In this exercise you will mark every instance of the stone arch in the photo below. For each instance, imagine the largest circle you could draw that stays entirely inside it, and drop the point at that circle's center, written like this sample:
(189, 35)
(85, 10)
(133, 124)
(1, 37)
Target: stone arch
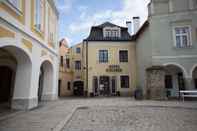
(194, 76)
(46, 82)
(175, 79)
(20, 63)
(192, 70)
(179, 66)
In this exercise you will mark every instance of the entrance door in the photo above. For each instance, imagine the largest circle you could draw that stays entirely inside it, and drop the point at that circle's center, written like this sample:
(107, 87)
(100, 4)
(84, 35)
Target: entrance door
(59, 87)
(113, 85)
(40, 89)
(195, 82)
(104, 82)
(168, 84)
(5, 84)
(78, 88)
(95, 85)
(181, 82)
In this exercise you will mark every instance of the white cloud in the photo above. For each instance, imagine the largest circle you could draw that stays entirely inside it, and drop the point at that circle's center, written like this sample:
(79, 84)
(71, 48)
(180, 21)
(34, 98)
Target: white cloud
(130, 9)
(68, 40)
(66, 6)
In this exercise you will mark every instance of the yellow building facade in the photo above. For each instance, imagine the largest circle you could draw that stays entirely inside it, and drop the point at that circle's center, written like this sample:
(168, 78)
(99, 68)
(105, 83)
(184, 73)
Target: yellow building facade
(65, 70)
(110, 74)
(28, 52)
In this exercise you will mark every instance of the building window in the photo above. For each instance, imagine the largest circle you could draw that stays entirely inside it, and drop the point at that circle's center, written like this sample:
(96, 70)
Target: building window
(110, 32)
(103, 56)
(39, 14)
(123, 56)
(67, 63)
(61, 61)
(15, 3)
(78, 50)
(182, 37)
(78, 65)
(124, 81)
(68, 85)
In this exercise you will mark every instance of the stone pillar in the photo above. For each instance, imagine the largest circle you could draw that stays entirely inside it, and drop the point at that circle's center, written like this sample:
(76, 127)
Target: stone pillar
(189, 83)
(155, 83)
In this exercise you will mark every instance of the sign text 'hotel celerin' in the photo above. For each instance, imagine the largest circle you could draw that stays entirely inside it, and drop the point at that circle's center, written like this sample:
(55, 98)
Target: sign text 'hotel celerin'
(114, 68)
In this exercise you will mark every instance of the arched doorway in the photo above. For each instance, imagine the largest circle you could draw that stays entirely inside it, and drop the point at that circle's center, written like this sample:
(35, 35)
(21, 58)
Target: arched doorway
(174, 80)
(15, 77)
(6, 86)
(45, 90)
(78, 88)
(194, 76)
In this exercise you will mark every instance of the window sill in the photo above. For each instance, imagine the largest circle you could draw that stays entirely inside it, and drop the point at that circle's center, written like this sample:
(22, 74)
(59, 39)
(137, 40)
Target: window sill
(17, 11)
(123, 62)
(103, 62)
(180, 48)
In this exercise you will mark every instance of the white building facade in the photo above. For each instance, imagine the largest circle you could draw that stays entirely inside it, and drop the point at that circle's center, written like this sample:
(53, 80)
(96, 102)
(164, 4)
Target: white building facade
(28, 52)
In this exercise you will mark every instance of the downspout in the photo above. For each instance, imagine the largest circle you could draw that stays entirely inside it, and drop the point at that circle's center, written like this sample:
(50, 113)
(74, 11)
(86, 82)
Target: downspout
(87, 67)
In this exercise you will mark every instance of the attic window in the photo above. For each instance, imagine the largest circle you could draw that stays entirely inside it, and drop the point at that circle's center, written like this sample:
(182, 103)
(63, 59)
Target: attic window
(111, 32)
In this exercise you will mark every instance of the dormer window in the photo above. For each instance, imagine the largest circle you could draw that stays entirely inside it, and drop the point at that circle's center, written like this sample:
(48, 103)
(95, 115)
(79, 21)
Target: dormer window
(111, 32)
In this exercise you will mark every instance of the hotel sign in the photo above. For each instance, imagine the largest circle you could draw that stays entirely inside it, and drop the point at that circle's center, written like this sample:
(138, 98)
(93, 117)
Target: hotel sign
(114, 68)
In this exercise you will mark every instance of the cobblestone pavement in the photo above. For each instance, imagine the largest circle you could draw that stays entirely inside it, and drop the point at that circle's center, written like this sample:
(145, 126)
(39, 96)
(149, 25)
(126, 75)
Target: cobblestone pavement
(54, 115)
(139, 118)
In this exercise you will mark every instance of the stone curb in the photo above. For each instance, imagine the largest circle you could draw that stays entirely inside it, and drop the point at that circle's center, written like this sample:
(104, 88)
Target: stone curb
(62, 123)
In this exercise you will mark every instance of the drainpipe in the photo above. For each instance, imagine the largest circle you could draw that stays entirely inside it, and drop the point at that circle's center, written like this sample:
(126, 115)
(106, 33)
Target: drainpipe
(85, 45)
(87, 66)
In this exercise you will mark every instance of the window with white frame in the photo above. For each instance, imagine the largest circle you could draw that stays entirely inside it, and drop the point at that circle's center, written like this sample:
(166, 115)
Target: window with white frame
(112, 32)
(103, 56)
(15, 3)
(182, 36)
(39, 14)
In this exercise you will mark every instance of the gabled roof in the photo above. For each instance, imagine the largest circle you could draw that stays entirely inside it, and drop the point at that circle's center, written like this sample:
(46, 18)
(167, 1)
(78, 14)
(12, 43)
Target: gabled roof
(141, 30)
(108, 24)
(96, 33)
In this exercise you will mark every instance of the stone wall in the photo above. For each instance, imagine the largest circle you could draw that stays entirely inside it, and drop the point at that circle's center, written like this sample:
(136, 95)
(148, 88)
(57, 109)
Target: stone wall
(155, 79)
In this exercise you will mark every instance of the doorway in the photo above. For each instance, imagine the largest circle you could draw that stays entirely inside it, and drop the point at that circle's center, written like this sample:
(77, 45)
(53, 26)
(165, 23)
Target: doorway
(6, 90)
(104, 85)
(174, 80)
(78, 88)
(95, 85)
(113, 85)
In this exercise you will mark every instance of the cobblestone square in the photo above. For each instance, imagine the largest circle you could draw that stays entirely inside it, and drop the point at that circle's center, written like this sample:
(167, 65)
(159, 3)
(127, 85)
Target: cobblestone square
(138, 118)
(104, 114)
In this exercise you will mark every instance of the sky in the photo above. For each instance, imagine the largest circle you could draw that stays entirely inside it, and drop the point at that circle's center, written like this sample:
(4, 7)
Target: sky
(77, 16)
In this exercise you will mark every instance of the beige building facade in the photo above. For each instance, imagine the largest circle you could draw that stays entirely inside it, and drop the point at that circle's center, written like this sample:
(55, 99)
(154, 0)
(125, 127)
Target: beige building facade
(109, 61)
(65, 72)
(78, 70)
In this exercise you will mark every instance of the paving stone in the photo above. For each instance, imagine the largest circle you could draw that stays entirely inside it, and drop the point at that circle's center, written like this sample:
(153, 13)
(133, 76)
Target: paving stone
(52, 116)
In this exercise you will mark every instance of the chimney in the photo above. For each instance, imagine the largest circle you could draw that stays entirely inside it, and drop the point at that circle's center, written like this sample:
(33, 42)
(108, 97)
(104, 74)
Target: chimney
(129, 26)
(136, 24)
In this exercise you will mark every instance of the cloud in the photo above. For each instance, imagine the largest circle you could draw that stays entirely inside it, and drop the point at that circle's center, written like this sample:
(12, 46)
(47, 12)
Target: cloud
(129, 10)
(80, 28)
(66, 6)
(68, 40)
